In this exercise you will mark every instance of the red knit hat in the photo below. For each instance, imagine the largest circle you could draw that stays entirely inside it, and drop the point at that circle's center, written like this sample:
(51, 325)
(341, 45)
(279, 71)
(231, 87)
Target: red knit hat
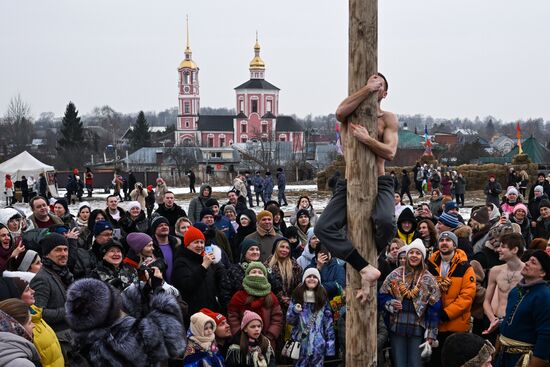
(150, 187)
(191, 235)
(75, 171)
(218, 317)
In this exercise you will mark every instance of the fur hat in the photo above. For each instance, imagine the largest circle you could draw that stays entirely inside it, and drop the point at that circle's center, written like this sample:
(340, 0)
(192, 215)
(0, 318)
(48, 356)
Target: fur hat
(101, 226)
(51, 241)
(512, 190)
(292, 231)
(191, 235)
(248, 317)
(263, 213)
(419, 245)
(539, 188)
(449, 235)
(111, 243)
(134, 204)
(211, 202)
(466, 350)
(544, 260)
(91, 304)
(216, 316)
(311, 271)
(137, 241)
(205, 212)
(20, 284)
(449, 219)
(481, 215)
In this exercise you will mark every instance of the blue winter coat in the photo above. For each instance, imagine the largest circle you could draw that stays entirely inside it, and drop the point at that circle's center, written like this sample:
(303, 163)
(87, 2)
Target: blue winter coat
(268, 185)
(223, 224)
(281, 180)
(333, 277)
(320, 339)
(258, 183)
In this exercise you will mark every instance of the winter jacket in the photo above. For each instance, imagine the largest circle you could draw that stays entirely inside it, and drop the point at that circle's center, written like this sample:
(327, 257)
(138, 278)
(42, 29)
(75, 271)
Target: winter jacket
(435, 205)
(266, 243)
(333, 277)
(534, 205)
(268, 185)
(457, 300)
(197, 356)
(139, 196)
(545, 187)
(294, 281)
(460, 185)
(281, 181)
(240, 186)
(542, 230)
(224, 225)
(406, 215)
(435, 179)
(46, 341)
(258, 183)
(130, 225)
(234, 358)
(119, 278)
(172, 214)
(405, 182)
(492, 191)
(446, 185)
(464, 233)
(16, 351)
(320, 336)
(115, 223)
(199, 287)
(132, 341)
(198, 203)
(312, 216)
(159, 193)
(53, 217)
(150, 200)
(306, 257)
(272, 317)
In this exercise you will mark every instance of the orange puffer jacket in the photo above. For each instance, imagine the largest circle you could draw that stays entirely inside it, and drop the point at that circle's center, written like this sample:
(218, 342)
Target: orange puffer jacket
(457, 300)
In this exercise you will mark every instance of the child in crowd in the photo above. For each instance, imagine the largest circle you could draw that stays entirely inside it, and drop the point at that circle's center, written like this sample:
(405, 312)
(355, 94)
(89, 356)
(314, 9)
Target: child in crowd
(201, 345)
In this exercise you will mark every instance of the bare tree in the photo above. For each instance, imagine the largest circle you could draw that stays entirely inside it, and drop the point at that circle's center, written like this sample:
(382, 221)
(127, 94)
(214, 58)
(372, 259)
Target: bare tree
(18, 124)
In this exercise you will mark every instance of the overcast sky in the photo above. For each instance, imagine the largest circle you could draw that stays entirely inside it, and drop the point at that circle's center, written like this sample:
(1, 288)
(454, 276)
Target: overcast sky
(445, 59)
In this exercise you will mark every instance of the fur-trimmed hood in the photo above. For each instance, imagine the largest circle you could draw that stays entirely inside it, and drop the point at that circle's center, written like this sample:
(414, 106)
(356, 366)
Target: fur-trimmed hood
(463, 232)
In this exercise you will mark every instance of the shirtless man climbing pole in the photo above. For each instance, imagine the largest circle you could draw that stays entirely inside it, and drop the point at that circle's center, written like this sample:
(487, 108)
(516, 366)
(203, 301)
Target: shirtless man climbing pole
(503, 278)
(334, 217)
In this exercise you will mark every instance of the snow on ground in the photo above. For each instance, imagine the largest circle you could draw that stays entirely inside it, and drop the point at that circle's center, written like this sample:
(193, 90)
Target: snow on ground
(319, 199)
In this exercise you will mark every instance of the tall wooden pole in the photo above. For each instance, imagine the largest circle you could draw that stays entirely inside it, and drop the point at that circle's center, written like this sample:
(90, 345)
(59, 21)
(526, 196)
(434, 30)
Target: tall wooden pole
(361, 319)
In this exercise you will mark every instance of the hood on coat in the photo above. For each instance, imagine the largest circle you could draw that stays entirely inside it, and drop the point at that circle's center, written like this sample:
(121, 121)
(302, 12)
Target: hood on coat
(463, 231)
(406, 214)
(16, 348)
(204, 186)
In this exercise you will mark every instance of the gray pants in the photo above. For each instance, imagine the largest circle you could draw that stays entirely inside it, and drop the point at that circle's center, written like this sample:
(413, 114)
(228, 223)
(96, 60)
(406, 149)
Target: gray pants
(330, 225)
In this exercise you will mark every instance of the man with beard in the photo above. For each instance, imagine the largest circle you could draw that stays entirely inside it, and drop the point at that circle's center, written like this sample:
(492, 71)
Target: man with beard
(164, 244)
(457, 283)
(50, 286)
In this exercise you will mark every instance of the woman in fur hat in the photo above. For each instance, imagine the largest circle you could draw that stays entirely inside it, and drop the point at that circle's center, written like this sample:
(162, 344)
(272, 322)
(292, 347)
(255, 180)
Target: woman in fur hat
(411, 298)
(250, 348)
(201, 347)
(311, 319)
(287, 269)
(106, 336)
(257, 297)
(111, 269)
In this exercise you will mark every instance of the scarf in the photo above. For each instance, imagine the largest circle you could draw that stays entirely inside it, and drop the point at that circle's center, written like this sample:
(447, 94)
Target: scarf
(10, 325)
(205, 342)
(428, 289)
(81, 223)
(256, 286)
(263, 233)
(61, 271)
(309, 296)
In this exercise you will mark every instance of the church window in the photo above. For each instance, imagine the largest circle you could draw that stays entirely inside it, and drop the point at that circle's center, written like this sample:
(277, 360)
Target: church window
(254, 105)
(210, 141)
(186, 123)
(241, 105)
(185, 78)
(282, 137)
(222, 140)
(264, 127)
(187, 108)
(243, 127)
(268, 105)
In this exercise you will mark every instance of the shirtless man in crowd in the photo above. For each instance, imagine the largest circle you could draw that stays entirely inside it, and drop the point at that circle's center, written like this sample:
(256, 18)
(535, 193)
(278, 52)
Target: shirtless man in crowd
(503, 278)
(334, 217)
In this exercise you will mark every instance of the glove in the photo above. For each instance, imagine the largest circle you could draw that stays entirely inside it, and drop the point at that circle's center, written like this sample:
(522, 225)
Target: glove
(426, 351)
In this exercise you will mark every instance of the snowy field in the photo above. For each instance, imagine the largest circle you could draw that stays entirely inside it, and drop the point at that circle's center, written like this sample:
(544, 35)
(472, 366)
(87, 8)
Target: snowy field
(319, 199)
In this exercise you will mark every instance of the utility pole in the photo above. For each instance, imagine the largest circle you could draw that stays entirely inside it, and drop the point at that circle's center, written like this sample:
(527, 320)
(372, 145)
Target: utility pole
(361, 319)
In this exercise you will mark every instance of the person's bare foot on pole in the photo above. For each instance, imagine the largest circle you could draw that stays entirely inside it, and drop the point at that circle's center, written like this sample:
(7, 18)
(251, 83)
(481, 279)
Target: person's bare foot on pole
(369, 276)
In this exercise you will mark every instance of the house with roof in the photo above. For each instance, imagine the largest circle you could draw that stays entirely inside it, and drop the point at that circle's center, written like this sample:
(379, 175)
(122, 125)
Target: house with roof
(257, 106)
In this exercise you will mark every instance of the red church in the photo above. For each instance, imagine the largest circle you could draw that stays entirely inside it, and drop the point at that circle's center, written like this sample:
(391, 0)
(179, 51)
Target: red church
(257, 106)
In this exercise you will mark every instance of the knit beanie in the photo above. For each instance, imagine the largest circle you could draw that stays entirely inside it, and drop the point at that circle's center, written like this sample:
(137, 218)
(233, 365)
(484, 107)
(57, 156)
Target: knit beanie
(539, 188)
(544, 260)
(248, 317)
(481, 215)
(191, 235)
(311, 271)
(229, 207)
(518, 207)
(301, 212)
(466, 350)
(450, 205)
(544, 204)
(216, 316)
(83, 205)
(137, 241)
(149, 187)
(101, 226)
(63, 202)
(246, 245)
(419, 245)
(111, 243)
(211, 202)
(512, 190)
(51, 241)
(91, 304)
(255, 285)
(58, 228)
(292, 231)
(26, 260)
(20, 285)
(205, 212)
(263, 213)
(449, 235)
(449, 219)
(157, 221)
(134, 204)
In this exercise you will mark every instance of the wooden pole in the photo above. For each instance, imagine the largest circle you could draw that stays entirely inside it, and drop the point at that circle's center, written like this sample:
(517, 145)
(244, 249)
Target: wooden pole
(361, 319)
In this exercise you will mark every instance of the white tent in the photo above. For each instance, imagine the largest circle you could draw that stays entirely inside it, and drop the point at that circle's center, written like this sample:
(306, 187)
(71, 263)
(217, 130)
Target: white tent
(24, 164)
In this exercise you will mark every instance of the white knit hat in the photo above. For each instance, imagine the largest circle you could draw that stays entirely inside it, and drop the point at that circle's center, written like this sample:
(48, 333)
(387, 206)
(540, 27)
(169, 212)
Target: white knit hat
(134, 204)
(311, 271)
(419, 245)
